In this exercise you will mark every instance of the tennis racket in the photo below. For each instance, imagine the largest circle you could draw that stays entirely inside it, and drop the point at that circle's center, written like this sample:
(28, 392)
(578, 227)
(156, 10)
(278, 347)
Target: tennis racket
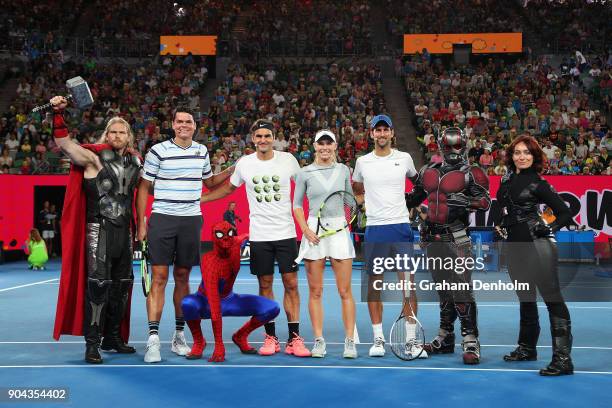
(145, 275)
(407, 337)
(335, 214)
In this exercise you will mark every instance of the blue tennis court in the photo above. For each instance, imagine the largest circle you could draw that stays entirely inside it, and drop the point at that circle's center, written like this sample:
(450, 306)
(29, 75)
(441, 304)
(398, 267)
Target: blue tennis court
(29, 357)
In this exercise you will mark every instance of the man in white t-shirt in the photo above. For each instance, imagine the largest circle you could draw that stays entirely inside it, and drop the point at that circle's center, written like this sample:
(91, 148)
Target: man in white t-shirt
(267, 175)
(278, 97)
(270, 74)
(549, 150)
(380, 177)
(454, 106)
(421, 109)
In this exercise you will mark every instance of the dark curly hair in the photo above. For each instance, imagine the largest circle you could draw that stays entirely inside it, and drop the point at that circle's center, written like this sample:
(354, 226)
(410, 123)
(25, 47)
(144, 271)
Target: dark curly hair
(539, 158)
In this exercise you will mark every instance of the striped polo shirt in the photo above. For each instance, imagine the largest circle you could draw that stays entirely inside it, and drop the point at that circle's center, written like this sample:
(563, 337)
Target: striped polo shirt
(177, 173)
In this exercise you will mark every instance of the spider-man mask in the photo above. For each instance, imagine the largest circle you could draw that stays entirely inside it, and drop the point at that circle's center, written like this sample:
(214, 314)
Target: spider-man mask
(224, 235)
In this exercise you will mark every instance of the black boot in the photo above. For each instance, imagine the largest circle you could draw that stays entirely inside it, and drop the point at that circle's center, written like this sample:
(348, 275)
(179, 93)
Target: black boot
(116, 343)
(561, 364)
(92, 354)
(527, 341)
(522, 353)
(529, 333)
(112, 342)
(96, 297)
(114, 315)
(444, 343)
(92, 337)
(468, 316)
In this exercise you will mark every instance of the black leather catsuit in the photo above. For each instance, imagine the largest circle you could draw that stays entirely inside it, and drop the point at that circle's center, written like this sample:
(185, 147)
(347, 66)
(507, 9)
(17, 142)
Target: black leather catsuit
(531, 251)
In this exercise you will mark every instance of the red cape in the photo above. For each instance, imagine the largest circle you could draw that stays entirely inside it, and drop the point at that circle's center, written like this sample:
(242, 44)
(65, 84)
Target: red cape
(70, 310)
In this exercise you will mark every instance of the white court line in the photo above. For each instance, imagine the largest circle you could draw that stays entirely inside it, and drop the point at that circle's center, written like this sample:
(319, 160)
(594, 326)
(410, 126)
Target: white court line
(480, 305)
(249, 282)
(29, 284)
(541, 306)
(282, 342)
(223, 365)
(253, 282)
(358, 281)
(239, 281)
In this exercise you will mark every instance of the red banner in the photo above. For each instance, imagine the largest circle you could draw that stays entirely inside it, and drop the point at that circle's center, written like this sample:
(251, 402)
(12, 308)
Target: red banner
(588, 197)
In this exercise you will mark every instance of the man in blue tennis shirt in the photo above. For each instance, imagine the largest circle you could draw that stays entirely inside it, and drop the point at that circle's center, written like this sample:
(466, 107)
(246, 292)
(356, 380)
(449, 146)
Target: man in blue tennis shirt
(177, 167)
(380, 176)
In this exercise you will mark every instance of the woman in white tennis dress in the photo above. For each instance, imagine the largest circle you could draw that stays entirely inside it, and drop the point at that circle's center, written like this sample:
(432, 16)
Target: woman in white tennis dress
(317, 181)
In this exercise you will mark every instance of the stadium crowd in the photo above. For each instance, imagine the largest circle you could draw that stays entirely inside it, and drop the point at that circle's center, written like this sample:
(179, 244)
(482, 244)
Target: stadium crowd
(112, 28)
(37, 27)
(569, 25)
(494, 102)
(546, 25)
(144, 95)
(319, 27)
(121, 22)
(299, 99)
(564, 106)
(466, 16)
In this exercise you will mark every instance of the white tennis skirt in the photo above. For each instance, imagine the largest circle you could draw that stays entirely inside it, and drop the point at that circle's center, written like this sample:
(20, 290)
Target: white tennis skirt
(337, 246)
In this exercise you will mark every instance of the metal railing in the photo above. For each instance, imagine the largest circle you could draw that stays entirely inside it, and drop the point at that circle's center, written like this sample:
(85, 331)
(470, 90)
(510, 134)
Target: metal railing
(81, 47)
(148, 48)
(300, 48)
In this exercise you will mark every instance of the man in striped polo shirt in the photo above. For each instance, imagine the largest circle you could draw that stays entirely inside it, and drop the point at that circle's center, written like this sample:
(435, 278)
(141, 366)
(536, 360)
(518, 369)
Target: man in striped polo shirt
(177, 167)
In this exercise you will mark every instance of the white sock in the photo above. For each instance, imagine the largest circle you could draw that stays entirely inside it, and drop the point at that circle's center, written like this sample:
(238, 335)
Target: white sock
(378, 330)
(410, 331)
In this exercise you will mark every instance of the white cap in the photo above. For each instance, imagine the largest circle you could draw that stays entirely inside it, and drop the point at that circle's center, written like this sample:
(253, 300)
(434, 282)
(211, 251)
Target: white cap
(325, 132)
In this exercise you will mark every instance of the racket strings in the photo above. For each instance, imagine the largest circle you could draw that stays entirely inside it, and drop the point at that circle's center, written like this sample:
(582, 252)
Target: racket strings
(338, 211)
(407, 338)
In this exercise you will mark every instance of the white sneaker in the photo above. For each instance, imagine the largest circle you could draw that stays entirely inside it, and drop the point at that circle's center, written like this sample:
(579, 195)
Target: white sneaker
(153, 354)
(179, 344)
(378, 348)
(319, 349)
(350, 351)
(415, 349)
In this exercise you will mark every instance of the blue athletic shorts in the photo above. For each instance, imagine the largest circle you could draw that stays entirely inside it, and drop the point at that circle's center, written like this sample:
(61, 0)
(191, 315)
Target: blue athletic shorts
(388, 241)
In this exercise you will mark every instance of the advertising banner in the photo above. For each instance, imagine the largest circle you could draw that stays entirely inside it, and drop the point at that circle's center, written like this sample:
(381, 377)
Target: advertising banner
(482, 43)
(588, 197)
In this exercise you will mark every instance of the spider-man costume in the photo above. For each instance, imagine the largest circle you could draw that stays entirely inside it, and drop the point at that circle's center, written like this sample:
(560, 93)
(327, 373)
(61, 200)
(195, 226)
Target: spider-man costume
(453, 189)
(215, 298)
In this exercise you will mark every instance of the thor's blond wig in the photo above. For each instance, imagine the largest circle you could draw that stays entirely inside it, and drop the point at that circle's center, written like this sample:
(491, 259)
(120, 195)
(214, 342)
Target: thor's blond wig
(114, 120)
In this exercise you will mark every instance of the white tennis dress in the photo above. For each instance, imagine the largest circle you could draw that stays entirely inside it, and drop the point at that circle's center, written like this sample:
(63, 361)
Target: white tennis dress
(317, 183)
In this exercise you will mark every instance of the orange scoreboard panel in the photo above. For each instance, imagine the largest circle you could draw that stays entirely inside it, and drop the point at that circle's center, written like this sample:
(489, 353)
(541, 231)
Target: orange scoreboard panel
(184, 44)
(482, 43)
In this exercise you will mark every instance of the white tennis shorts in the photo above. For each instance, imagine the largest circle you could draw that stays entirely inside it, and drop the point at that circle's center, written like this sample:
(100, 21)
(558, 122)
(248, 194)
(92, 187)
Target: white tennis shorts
(337, 246)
